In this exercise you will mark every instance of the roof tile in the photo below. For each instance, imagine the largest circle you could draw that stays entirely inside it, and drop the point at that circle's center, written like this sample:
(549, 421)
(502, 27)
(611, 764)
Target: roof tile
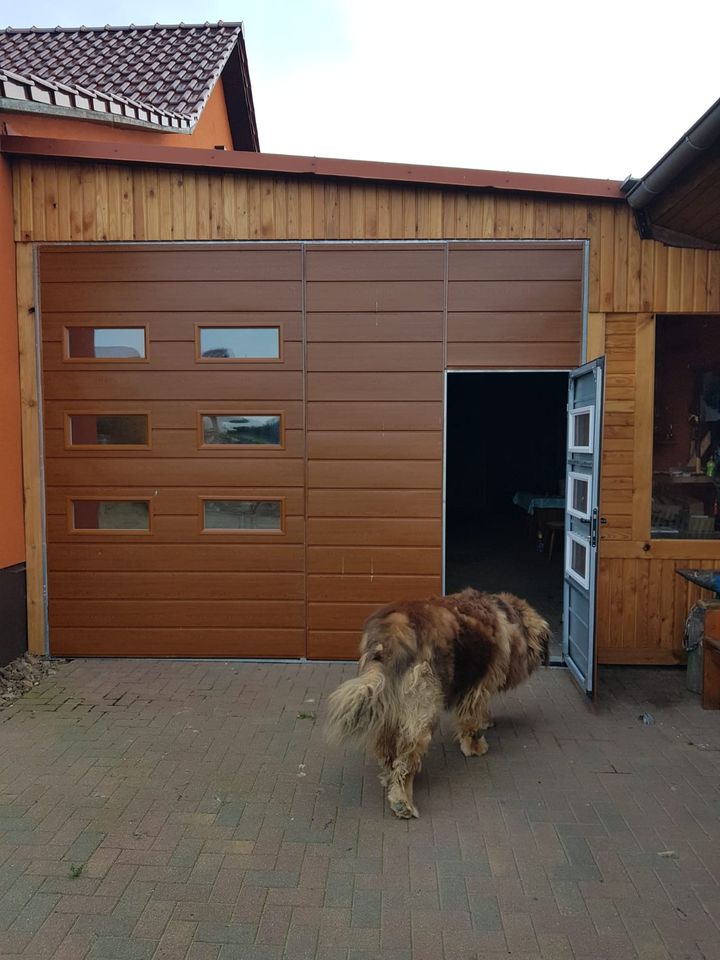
(169, 69)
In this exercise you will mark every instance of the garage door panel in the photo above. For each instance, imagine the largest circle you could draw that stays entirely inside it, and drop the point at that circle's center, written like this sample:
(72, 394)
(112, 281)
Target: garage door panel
(411, 264)
(215, 472)
(374, 357)
(375, 474)
(375, 327)
(333, 644)
(216, 385)
(178, 295)
(172, 415)
(176, 529)
(166, 558)
(227, 643)
(513, 264)
(276, 263)
(374, 503)
(377, 590)
(539, 327)
(363, 329)
(372, 445)
(177, 501)
(379, 295)
(375, 415)
(178, 613)
(374, 386)
(383, 531)
(201, 586)
(174, 325)
(519, 295)
(173, 355)
(179, 444)
(374, 561)
(514, 355)
(339, 616)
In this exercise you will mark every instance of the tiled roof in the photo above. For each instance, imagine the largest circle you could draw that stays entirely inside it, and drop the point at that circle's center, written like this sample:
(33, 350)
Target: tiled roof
(161, 75)
(74, 98)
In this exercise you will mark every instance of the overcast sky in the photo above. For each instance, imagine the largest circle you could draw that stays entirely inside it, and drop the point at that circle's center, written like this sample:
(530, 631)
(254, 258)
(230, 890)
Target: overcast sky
(593, 89)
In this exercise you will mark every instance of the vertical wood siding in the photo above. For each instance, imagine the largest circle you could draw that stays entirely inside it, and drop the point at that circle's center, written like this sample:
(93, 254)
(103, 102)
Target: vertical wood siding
(642, 603)
(74, 201)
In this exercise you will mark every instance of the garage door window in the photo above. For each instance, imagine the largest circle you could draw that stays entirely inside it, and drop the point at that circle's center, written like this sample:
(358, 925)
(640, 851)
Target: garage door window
(241, 429)
(127, 430)
(238, 343)
(101, 516)
(235, 514)
(105, 343)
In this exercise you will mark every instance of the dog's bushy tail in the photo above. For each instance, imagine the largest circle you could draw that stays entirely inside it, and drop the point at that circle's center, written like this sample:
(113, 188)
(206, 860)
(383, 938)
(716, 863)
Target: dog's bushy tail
(357, 706)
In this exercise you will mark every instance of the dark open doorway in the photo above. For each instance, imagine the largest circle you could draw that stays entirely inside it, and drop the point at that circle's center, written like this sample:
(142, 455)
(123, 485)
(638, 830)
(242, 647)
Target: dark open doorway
(506, 437)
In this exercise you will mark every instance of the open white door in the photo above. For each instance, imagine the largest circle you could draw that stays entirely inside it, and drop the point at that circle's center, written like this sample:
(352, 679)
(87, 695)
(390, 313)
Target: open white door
(582, 520)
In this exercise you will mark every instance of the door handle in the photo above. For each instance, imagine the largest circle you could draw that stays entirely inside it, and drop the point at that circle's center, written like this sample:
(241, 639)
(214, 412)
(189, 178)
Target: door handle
(594, 528)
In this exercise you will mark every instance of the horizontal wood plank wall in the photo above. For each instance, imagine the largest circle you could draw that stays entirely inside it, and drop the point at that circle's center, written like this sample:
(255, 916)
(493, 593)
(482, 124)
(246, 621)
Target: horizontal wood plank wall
(375, 319)
(178, 591)
(642, 603)
(629, 279)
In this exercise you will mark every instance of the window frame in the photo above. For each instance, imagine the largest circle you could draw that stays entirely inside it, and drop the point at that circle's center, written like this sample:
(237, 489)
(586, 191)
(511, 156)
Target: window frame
(570, 537)
(93, 532)
(585, 477)
(93, 447)
(93, 324)
(240, 531)
(255, 325)
(236, 447)
(572, 414)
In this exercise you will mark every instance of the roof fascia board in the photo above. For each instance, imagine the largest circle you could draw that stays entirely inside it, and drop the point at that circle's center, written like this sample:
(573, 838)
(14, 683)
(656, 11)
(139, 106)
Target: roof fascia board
(691, 145)
(239, 102)
(369, 170)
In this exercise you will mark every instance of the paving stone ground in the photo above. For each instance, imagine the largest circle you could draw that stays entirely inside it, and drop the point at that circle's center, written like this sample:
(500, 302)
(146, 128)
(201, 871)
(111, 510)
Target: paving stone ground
(191, 811)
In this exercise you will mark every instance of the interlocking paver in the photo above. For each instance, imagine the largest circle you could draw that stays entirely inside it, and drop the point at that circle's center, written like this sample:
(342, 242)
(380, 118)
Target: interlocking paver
(205, 821)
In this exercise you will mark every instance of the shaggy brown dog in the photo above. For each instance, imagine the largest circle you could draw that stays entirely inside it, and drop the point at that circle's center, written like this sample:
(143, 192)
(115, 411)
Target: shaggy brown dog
(417, 657)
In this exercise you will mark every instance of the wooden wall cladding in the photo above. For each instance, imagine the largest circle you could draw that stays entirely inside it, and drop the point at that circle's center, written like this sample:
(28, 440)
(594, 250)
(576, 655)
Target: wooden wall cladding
(629, 280)
(75, 202)
(642, 603)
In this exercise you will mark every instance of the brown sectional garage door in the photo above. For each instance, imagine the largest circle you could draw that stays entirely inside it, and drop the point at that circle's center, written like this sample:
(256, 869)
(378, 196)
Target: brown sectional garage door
(200, 402)
(174, 589)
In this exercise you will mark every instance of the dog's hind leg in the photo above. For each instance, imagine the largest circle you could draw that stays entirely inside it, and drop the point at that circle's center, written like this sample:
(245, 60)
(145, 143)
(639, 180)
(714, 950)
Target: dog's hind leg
(472, 718)
(419, 705)
(400, 781)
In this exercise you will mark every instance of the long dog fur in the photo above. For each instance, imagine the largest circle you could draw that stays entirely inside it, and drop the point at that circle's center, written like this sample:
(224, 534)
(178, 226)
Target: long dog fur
(418, 657)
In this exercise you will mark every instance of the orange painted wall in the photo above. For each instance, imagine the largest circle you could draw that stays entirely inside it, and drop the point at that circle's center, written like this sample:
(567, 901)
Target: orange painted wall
(212, 130)
(12, 536)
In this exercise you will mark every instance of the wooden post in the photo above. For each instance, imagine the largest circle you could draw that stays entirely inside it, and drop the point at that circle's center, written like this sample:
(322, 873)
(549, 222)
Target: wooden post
(32, 461)
(595, 346)
(644, 416)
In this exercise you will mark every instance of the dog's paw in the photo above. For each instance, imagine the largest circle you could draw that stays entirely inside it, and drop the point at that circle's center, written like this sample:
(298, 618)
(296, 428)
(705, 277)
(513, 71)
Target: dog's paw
(403, 809)
(473, 746)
